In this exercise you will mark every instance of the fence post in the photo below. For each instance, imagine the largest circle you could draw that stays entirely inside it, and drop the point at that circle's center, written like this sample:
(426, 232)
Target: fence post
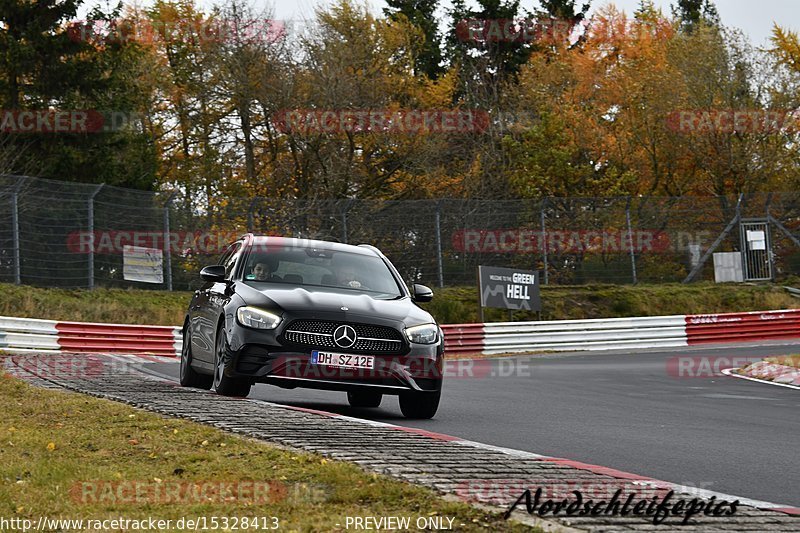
(630, 238)
(770, 253)
(250, 221)
(168, 242)
(439, 258)
(543, 240)
(91, 236)
(15, 230)
(345, 209)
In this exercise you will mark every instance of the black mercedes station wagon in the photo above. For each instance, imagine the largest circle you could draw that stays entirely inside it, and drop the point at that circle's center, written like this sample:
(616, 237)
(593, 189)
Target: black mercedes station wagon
(315, 314)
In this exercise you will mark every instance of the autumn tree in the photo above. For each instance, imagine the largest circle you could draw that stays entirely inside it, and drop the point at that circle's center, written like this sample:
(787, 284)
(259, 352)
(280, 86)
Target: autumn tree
(49, 62)
(422, 15)
(787, 48)
(694, 13)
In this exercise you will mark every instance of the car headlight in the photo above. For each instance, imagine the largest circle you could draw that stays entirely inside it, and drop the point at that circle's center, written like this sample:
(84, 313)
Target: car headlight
(255, 318)
(423, 334)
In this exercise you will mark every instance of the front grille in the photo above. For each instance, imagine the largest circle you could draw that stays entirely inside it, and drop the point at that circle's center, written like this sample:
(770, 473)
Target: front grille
(319, 334)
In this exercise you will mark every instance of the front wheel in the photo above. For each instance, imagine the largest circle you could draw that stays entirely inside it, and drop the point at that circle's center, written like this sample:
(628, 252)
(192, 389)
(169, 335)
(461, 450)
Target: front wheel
(189, 376)
(224, 385)
(364, 398)
(419, 404)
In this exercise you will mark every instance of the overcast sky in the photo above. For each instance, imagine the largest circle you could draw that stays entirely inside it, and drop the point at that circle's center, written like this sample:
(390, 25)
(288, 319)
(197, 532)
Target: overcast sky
(754, 17)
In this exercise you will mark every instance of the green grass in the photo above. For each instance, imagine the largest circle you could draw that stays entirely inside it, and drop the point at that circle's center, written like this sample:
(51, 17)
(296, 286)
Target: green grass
(451, 305)
(459, 305)
(65, 454)
(118, 306)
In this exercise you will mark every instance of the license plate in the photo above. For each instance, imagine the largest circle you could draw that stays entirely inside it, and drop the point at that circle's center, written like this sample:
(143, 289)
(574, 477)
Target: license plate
(342, 360)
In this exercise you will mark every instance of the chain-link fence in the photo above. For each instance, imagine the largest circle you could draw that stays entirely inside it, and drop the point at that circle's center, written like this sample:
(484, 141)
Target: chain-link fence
(68, 234)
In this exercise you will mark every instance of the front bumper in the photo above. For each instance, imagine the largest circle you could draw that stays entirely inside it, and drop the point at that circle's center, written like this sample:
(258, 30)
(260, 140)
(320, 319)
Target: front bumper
(260, 357)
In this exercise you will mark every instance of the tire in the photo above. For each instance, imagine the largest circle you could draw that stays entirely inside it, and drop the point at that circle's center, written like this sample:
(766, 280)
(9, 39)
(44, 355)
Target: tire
(421, 405)
(364, 398)
(224, 385)
(189, 377)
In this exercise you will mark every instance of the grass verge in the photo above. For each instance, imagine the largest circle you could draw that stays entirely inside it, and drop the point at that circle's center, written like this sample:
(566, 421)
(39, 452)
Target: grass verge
(73, 456)
(458, 304)
(451, 305)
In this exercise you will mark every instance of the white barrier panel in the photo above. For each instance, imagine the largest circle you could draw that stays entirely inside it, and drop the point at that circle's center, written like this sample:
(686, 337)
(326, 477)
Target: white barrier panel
(28, 341)
(594, 334)
(178, 335)
(10, 324)
(582, 325)
(23, 335)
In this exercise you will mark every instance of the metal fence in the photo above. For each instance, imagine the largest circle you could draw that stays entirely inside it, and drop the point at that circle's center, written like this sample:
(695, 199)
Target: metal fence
(69, 234)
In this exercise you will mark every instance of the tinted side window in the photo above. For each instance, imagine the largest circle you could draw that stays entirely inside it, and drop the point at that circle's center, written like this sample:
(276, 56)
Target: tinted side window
(229, 258)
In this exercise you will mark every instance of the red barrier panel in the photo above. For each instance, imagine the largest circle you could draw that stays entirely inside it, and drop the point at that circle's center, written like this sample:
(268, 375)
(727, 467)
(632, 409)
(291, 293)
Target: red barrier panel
(116, 338)
(463, 338)
(737, 327)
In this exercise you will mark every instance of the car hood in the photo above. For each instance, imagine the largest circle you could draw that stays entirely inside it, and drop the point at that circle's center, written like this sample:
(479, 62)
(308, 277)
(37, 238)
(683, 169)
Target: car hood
(328, 304)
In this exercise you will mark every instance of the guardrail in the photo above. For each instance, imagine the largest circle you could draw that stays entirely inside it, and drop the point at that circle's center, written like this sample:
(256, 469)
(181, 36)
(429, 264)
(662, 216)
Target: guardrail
(463, 338)
(27, 335)
(20, 335)
(621, 333)
(733, 327)
(118, 338)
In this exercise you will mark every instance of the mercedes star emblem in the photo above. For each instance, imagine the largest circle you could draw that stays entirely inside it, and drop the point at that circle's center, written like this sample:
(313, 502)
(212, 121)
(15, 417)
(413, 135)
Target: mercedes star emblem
(344, 336)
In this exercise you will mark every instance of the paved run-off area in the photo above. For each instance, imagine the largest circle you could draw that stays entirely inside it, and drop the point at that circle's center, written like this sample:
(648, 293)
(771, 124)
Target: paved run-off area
(481, 474)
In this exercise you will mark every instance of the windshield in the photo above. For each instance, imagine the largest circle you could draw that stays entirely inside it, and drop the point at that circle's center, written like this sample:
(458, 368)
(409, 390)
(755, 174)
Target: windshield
(322, 268)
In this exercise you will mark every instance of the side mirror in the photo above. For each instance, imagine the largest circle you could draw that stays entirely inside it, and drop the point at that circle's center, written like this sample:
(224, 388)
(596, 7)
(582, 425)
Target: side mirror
(421, 293)
(213, 273)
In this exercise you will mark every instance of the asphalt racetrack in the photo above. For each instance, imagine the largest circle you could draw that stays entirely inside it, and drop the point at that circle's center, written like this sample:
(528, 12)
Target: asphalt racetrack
(664, 414)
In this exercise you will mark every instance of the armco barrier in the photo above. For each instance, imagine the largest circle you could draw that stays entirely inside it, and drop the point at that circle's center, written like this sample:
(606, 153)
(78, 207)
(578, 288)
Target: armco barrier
(20, 335)
(741, 327)
(25, 334)
(28, 334)
(596, 334)
(621, 333)
(463, 338)
(117, 338)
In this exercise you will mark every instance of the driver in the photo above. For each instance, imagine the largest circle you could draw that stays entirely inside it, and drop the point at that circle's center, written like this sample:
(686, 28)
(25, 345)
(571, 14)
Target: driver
(264, 270)
(346, 276)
